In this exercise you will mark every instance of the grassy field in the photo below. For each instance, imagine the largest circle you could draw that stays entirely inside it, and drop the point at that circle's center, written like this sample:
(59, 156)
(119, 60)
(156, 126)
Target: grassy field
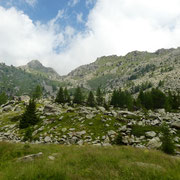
(86, 162)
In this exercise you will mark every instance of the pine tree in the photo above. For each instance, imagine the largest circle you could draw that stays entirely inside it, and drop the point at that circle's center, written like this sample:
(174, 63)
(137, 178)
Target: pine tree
(114, 98)
(158, 98)
(91, 101)
(3, 98)
(78, 97)
(37, 92)
(60, 96)
(99, 98)
(66, 96)
(29, 117)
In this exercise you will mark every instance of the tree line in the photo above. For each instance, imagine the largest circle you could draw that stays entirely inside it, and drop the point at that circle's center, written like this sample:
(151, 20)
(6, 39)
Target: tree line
(153, 99)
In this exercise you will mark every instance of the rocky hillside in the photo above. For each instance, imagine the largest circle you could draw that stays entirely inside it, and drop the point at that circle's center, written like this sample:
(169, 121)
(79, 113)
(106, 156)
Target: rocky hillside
(15, 81)
(131, 70)
(63, 124)
(35, 67)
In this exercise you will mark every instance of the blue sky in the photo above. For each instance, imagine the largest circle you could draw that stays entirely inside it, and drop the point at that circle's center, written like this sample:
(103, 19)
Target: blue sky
(45, 10)
(65, 34)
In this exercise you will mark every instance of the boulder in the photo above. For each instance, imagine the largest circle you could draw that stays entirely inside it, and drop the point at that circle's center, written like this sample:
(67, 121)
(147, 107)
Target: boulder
(150, 134)
(176, 124)
(52, 158)
(7, 108)
(154, 143)
(30, 157)
(102, 109)
(24, 98)
(47, 139)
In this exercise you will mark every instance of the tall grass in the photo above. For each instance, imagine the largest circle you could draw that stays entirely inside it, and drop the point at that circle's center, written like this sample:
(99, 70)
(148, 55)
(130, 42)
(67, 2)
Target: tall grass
(86, 162)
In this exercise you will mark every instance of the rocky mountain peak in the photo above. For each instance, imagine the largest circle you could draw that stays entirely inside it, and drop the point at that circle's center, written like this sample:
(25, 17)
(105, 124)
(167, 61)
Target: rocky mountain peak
(34, 64)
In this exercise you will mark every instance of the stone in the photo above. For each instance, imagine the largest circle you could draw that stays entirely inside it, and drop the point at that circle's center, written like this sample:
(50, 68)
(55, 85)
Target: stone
(24, 98)
(176, 124)
(154, 143)
(89, 116)
(81, 133)
(106, 144)
(102, 109)
(111, 132)
(7, 108)
(150, 134)
(126, 113)
(161, 111)
(123, 128)
(114, 114)
(64, 129)
(52, 158)
(80, 142)
(47, 139)
(30, 157)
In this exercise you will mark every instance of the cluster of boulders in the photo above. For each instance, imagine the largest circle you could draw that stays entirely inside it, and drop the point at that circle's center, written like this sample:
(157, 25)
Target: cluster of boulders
(51, 128)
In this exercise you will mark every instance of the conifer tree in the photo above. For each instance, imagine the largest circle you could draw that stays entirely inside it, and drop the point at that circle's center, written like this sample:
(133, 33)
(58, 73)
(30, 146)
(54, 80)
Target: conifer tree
(60, 96)
(78, 97)
(91, 101)
(99, 97)
(114, 99)
(66, 96)
(29, 117)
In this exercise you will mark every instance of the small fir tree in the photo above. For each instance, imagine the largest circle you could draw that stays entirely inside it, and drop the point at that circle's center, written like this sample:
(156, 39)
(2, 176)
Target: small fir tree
(91, 101)
(78, 97)
(66, 96)
(99, 97)
(60, 96)
(29, 117)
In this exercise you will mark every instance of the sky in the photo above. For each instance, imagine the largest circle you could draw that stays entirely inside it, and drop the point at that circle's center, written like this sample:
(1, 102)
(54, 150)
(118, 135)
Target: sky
(65, 34)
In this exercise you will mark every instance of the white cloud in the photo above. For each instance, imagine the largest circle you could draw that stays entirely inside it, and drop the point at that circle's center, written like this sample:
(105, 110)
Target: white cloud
(80, 18)
(113, 27)
(72, 3)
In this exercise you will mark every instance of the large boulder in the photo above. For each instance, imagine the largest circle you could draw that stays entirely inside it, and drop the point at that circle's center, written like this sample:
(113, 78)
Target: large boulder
(150, 134)
(176, 125)
(24, 98)
(7, 108)
(47, 139)
(154, 143)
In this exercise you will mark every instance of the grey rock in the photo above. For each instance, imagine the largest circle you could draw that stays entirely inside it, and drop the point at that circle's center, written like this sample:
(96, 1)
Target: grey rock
(154, 143)
(150, 134)
(176, 125)
(47, 139)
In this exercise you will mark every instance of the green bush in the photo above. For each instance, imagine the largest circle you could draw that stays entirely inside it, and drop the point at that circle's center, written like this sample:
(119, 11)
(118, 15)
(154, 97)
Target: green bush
(118, 140)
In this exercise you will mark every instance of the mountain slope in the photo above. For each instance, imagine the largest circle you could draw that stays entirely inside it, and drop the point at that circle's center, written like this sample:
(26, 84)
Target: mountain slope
(15, 81)
(131, 70)
(35, 67)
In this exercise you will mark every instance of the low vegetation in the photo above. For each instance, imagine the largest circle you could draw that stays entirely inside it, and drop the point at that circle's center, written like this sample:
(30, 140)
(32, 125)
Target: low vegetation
(87, 162)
